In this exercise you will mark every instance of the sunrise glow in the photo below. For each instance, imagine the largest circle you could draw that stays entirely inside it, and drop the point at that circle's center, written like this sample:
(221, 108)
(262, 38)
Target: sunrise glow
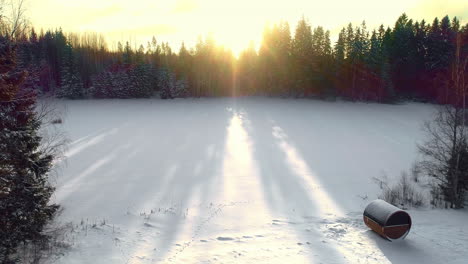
(233, 24)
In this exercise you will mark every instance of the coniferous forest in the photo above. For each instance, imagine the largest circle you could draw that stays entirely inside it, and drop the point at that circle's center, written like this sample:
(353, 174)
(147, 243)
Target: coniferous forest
(411, 60)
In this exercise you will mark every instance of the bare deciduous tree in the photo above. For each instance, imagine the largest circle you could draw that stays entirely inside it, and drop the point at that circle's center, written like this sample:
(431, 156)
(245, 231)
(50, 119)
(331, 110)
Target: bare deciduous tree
(445, 153)
(13, 21)
(446, 150)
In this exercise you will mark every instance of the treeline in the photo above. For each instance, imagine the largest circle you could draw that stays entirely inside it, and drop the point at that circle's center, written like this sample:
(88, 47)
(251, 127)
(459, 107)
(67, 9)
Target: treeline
(414, 59)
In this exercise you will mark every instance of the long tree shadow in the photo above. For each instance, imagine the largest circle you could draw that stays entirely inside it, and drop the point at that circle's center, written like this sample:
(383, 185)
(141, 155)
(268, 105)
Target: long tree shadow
(188, 160)
(287, 194)
(338, 142)
(144, 170)
(344, 147)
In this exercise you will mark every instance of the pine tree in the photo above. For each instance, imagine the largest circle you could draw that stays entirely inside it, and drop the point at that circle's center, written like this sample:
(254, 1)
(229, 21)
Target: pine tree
(354, 60)
(328, 90)
(181, 88)
(446, 55)
(59, 46)
(402, 54)
(433, 45)
(24, 188)
(339, 59)
(143, 83)
(385, 73)
(421, 42)
(127, 54)
(184, 62)
(102, 86)
(71, 85)
(166, 83)
(247, 68)
(122, 86)
(282, 57)
(139, 56)
(340, 46)
(275, 59)
(440, 54)
(374, 62)
(35, 47)
(302, 55)
(349, 39)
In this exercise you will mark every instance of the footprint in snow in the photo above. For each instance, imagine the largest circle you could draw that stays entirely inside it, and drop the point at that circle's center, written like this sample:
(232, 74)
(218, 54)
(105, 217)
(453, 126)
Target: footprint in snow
(225, 238)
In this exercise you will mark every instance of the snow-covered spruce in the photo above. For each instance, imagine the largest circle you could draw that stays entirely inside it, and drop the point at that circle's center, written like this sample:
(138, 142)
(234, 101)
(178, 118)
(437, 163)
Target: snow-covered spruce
(24, 168)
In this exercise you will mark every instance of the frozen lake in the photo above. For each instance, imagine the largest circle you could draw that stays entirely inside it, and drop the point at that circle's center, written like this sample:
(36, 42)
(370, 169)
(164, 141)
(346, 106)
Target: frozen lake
(242, 181)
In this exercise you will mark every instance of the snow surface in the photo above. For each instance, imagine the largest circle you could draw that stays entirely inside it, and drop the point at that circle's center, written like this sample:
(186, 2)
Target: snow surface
(252, 180)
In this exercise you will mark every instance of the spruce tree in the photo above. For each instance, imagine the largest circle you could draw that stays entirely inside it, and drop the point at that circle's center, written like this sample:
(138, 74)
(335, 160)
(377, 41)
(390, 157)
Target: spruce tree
(127, 54)
(402, 54)
(71, 85)
(386, 66)
(420, 40)
(24, 188)
(140, 77)
(339, 60)
(184, 63)
(166, 84)
(102, 85)
(340, 46)
(139, 55)
(247, 68)
(349, 39)
(302, 56)
(374, 63)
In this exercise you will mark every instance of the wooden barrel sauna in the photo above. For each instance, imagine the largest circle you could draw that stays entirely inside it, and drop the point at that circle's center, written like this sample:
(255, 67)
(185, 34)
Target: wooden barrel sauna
(387, 220)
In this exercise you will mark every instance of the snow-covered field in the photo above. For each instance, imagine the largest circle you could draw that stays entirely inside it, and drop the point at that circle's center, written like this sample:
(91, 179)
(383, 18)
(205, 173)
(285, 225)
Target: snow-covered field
(251, 180)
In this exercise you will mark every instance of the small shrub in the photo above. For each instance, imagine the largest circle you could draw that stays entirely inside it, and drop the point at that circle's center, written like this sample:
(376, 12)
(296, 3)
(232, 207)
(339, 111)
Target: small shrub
(415, 172)
(437, 198)
(402, 194)
(57, 243)
(390, 195)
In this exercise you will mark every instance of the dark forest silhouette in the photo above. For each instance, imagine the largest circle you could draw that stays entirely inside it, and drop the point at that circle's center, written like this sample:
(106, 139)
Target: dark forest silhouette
(412, 60)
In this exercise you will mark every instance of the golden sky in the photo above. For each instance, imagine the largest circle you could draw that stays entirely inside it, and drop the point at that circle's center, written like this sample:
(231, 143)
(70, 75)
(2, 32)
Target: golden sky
(232, 23)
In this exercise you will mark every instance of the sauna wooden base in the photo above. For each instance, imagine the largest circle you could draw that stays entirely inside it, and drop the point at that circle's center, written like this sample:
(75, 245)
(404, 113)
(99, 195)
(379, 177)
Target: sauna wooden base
(388, 232)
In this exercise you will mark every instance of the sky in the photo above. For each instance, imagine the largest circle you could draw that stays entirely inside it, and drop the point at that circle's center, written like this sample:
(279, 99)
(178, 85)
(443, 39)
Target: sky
(232, 24)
